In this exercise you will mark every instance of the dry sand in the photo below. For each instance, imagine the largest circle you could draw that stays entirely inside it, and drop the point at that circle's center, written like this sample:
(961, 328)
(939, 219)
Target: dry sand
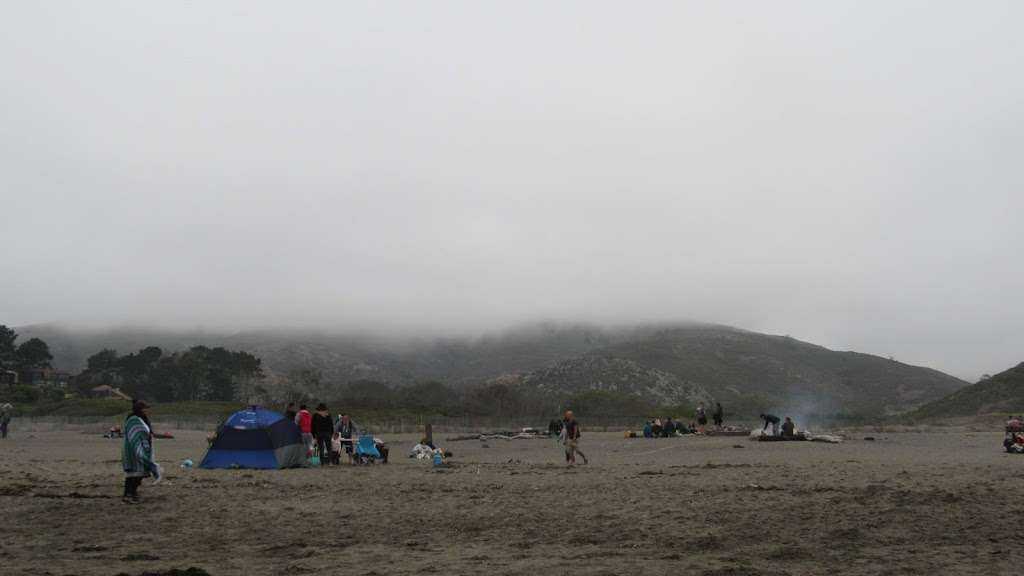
(908, 503)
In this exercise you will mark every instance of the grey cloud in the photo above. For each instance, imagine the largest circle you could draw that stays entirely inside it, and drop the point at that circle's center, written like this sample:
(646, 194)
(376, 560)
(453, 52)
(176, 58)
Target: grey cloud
(847, 173)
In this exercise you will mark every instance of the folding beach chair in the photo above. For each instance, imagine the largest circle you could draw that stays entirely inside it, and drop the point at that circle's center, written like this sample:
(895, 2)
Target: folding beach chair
(366, 449)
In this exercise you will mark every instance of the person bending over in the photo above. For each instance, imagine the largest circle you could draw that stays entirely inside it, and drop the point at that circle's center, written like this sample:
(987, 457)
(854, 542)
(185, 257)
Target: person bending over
(773, 420)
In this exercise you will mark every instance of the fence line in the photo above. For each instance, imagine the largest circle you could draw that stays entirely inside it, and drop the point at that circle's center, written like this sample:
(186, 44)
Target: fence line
(389, 425)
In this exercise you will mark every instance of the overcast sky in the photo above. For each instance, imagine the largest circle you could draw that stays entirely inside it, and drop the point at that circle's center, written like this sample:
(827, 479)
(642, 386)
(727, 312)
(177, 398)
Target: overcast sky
(849, 173)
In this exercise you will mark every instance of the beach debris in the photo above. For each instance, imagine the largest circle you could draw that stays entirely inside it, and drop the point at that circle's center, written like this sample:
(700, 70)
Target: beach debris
(801, 436)
(523, 434)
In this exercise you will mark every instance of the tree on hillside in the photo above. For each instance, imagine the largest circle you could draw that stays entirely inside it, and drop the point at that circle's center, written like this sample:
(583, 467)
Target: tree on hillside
(136, 370)
(103, 360)
(220, 375)
(8, 352)
(34, 353)
(199, 373)
(248, 369)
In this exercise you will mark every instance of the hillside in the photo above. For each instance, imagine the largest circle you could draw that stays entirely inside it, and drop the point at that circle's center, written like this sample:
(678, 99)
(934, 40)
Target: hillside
(733, 364)
(1000, 394)
(598, 371)
(672, 365)
(750, 369)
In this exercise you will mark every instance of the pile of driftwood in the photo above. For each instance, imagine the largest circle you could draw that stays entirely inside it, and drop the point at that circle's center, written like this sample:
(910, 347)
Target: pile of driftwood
(727, 431)
(802, 436)
(525, 434)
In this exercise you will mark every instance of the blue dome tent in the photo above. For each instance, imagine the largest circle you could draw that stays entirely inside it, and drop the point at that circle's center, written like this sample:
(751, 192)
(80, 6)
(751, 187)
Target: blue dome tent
(256, 438)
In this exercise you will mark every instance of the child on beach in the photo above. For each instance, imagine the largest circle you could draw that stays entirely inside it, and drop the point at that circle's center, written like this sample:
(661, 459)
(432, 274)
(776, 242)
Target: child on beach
(335, 449)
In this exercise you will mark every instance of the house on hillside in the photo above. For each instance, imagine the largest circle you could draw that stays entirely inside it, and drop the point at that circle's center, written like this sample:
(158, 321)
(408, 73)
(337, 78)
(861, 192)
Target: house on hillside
(8, 377)
(44, 377)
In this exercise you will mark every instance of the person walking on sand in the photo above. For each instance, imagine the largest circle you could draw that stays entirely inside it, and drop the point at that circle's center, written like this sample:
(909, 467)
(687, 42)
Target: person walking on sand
(702, 418)
(137, 453)
(571, 438)
(5, 418)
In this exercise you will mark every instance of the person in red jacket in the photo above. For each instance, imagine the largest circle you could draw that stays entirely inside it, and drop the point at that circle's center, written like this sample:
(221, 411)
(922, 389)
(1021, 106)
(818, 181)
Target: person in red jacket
(305, 421)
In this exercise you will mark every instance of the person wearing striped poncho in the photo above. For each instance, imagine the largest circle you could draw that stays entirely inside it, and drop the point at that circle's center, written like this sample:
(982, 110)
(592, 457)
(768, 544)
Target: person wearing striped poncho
(137, 455)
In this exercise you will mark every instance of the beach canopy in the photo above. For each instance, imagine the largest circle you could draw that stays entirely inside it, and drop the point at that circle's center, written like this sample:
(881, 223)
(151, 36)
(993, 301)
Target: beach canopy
(256, 438)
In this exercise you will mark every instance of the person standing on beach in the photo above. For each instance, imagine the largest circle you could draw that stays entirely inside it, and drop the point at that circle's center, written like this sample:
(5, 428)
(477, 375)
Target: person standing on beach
(305, 422)
(137, 453)
(719, 415)
(702, 419)
(322, 428)
(290, 412)
(571, 438)
(5, 418)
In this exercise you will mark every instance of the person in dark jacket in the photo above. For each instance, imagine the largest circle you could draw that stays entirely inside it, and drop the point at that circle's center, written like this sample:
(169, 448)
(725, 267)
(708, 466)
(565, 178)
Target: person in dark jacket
(718, 416)
(554, 428)
(773, 420)
(788, 428)
(322, 428)
(668, 429)
(290, 412)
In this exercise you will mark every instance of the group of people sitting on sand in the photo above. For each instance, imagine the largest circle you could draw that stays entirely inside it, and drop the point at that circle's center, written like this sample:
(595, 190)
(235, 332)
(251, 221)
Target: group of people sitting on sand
(658, 428)
(328, 438)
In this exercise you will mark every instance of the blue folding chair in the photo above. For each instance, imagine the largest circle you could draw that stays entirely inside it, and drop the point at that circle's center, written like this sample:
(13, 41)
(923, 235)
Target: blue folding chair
(366, 448)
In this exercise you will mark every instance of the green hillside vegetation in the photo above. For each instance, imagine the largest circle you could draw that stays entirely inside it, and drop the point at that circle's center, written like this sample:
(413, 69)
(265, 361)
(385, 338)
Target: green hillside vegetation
(1002, 394)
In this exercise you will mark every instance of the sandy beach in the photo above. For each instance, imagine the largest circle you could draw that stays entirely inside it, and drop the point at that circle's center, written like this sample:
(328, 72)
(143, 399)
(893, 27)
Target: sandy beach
(906, 503)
